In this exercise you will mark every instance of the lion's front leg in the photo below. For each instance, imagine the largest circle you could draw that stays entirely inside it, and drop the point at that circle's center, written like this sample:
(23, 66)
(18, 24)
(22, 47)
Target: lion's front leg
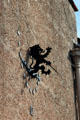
(48, 50)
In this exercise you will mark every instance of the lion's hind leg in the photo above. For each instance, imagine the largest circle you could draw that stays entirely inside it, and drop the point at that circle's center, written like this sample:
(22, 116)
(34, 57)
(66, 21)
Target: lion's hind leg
(42, 67)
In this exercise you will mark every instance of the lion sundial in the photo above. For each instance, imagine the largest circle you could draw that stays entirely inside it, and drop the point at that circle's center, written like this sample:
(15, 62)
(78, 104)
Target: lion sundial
(37, 54)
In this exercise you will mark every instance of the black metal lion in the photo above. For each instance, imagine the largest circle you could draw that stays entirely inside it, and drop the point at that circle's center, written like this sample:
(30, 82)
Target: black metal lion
(39, 55)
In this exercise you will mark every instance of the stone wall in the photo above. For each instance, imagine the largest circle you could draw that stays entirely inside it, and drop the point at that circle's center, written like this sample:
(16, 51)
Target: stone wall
(49, 23)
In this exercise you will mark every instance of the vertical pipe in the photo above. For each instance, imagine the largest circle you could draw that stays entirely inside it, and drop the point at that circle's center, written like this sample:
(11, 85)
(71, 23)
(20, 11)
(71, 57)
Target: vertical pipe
(75, 60)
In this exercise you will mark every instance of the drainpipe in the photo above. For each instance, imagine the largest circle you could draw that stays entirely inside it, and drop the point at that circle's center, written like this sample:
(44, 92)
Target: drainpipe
(74, 55)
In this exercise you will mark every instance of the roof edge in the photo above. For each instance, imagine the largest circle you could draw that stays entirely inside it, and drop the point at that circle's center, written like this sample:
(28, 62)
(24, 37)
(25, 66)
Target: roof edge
(73, 5)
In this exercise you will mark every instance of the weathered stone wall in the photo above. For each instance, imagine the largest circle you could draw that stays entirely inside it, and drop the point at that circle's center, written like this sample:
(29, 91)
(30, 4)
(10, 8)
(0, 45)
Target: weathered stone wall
(48, 23)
